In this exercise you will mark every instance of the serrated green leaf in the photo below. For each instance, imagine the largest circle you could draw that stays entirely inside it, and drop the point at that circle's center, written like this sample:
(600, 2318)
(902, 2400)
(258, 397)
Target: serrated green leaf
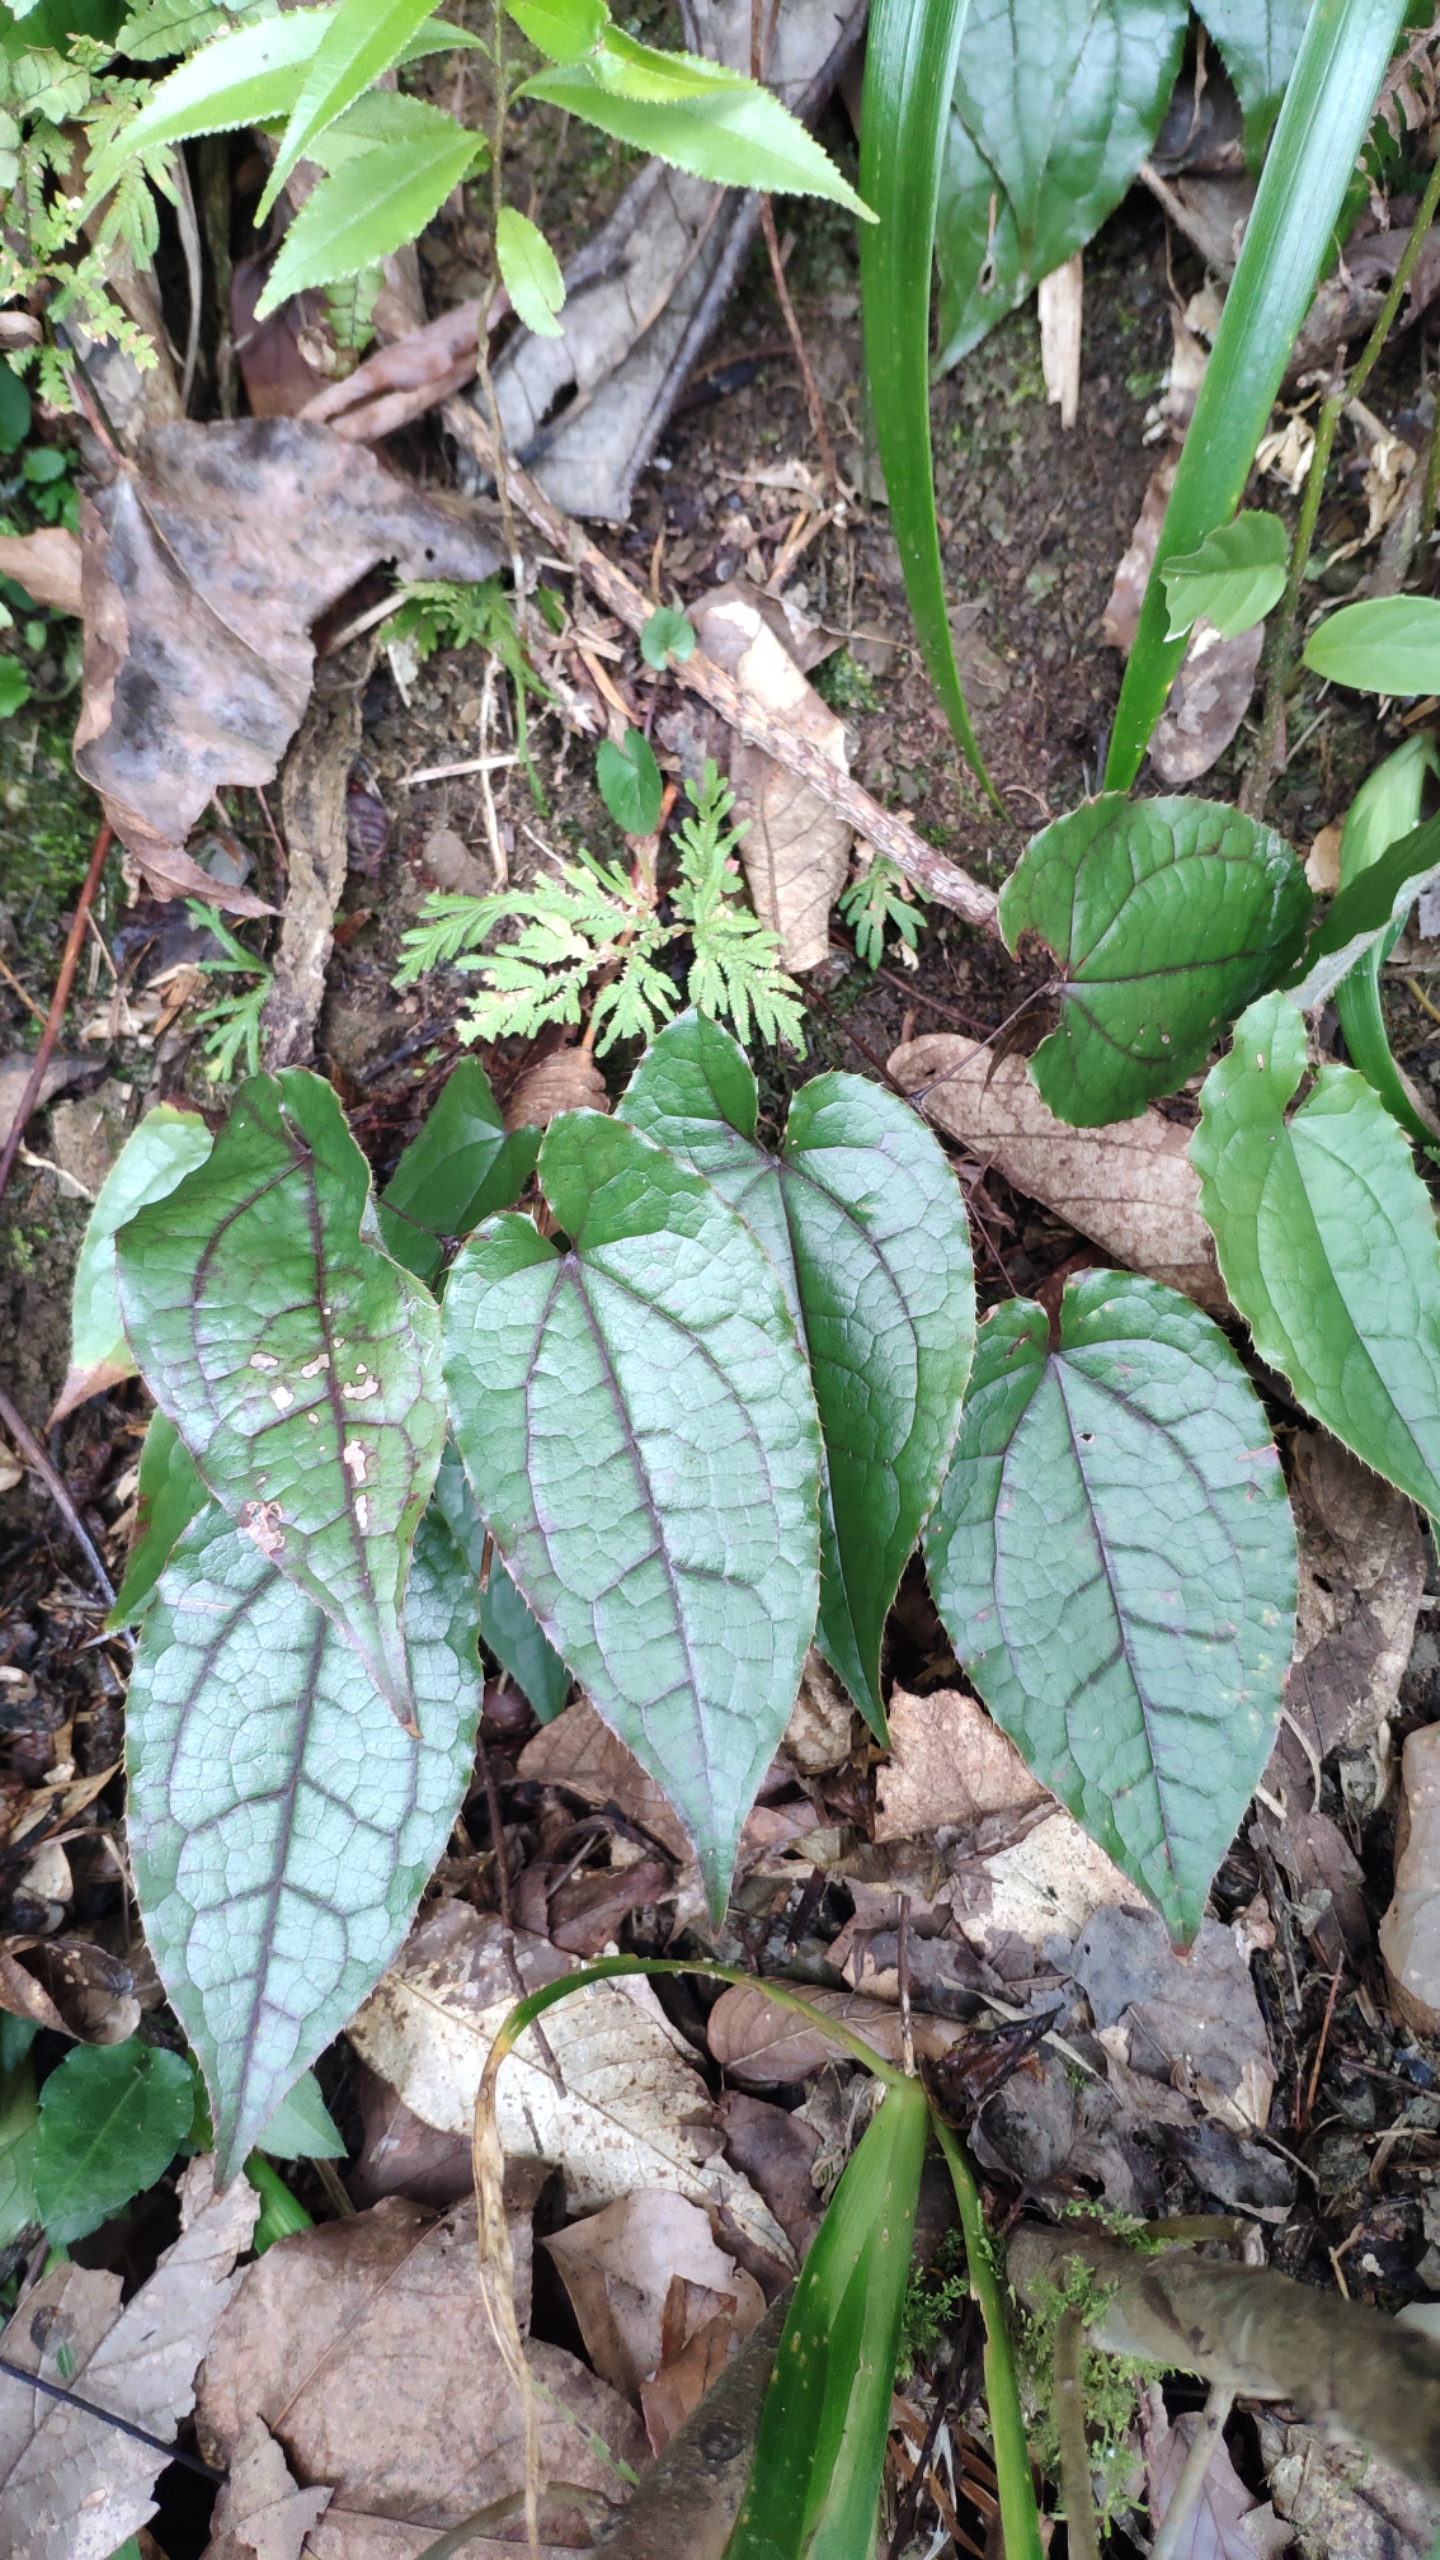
(302, 2127)
(718, 126)
(156, 1155)
(508, 1627)
(1327, 1244)
(629, 783)
(1370, 908)
(1167, 916)
(297, 1361)
(1384, 809)
(669, 634)
(638, 1429)
(369, 206)
(1234, 578)
(381, 116)
(1387, 644)
(563, 30)
(250, 76)
(814, 2487)
(865, 1225)
(160, 29)
(281, 1823)
(168, 1497)
(460, 1168)
(1323, 123)
(1056, 103)
(530, 272)
(1258, 41)
(1114, 1560)
(363, 38)
(111, 2121)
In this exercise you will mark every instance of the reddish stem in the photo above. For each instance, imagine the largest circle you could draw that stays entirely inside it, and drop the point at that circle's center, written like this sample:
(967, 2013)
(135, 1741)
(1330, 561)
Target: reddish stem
(58, 1001)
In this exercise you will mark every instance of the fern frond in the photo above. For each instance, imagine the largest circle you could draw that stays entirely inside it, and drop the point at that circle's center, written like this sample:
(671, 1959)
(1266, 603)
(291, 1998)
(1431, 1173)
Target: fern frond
(880, 902)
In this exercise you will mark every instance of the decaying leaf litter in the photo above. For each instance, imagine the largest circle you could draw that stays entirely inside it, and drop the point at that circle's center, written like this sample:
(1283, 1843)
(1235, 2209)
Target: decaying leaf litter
(1273, 2077)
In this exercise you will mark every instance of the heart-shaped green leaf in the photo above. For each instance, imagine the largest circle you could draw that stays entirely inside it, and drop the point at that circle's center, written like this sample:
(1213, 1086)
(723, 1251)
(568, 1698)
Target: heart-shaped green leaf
(111, 2121)
(1114, 1559)
(1327, 1244)
(865, 1224)
(168, 1497)
(460, 1168)
(630, 784)
(297, 1361)
(667, 639)
(637, 1424)
(153, 1159)
(1167, 916)
(508, 1627)
(281, 1823)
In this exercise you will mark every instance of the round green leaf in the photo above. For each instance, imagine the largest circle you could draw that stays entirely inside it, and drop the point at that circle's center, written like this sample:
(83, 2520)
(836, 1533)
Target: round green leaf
(111, 2121)
(1114, 1560)
(165, 1147)
(281, 1823)
(1387, 644)
(865, 1225)
(630, 784)
(1234, 578)
(1166, 916)
(1327, 1244)
(530, 272)
(297, 1361)
(637, 1425)
(668, 635)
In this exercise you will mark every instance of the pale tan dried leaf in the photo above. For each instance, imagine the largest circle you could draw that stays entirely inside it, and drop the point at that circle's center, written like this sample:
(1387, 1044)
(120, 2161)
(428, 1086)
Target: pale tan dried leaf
(949, 1763)
(205, 564)
(260, 2514)
(15, 1075)
(567, 1080)
(817, 1737)
(364, 2347)
(69, 1984)
(680, 2385)
(1130, 1188)
(1322, 862)
(47, 565)
(1362, 1580)
(618, 2267)
(762, 2044)
(1207, 702)
(795, 850)
(1410, 1930)
(1047, 1884)
(1059, 304)
(72, 2488)
(1121, 618)
(578, 1751)
(633, 2111)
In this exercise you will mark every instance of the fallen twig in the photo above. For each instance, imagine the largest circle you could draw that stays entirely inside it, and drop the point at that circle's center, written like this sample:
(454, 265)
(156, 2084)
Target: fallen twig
(59, 1492)
(58, 1001)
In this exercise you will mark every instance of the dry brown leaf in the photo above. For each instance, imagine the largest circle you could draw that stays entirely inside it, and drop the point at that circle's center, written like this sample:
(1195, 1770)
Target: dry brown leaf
(402, 381)
(47, 565)
(365, 2349)
(585, 1912)
(668, 2399)
(618, 2269)
(72, 2488)
(260, 2514)
(1131, 1188)
(1207, 702)
(15, 1075)
(1227, 2521)
(817, 1737)
(206, 563)
(949, 1763)
(1410, 1930)
(1362, 1580)
(313, 786)
(796, 850)
(1344, 2506)
(633, 2111)
(1322, 862)
(776, 2152)
(1059, 304)
(762, 2044)
(1043, 1885)
(567, 1080)
(1121, 618)
(1187, 2017)
(69, 1984)
(400, 2155)
(578, 1751)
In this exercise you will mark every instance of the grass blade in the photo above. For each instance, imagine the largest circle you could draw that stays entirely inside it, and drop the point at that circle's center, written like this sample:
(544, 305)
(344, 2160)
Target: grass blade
(910, 61)
(1323, 122)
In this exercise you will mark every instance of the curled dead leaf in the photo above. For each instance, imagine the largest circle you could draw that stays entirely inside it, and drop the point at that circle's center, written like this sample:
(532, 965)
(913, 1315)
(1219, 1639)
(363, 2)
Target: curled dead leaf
(762, 2044)
(568, 1080)
(71, 1985)
(949, 1763)
(47, 565)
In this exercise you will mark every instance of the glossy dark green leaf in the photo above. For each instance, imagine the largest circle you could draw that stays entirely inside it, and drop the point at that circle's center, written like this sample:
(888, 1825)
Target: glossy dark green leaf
(298, 1362)
(629, 782)
(1370, 908)
(865, 1224)
(281, 1823)
(156, 1155)
(508, 1627)
(1387, 644)
(1234, 578)
(1166, 916)
(1056, 103)
(111, 2121)
(814, 2486)
(1385, 809)
(1258, 41)
(637, 1425)
(910, 54)
(460, 1168)
(168, 1497)
(1327, 1244)
(1114, 1560)
(1323, 122)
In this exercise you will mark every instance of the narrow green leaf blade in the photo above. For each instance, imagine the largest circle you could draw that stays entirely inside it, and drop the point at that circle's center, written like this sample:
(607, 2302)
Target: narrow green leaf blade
(508, 1627)
(865, 1225)
(1114, 1560)
(1167, 916)
(563, 30)
(530, 272)
(282, 1825)
(1055, 105)
(460, 1168)
(724, 127)
(1323, 122)
(1387, 644)
(368, 207)
(362, 39)
(111, 2121)
(156, 1155)
(1384, 809)
(168, 1497)
(297, 1361)
(638, 1428)
(1327, 1244)
(1234, 578)
(814, 2486)
(910, 57)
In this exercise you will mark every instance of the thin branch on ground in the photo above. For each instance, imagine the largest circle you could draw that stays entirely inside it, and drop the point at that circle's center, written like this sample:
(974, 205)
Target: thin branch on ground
(1080, 2521)
(813, 401)
(56, 1015)
(59, 1492)
(1188, 2488)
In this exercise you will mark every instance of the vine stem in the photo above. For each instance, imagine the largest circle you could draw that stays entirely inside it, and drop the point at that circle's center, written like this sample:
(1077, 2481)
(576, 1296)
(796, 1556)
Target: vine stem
(1019, 2518)
(1280, 655)
(1070, 2432)
(58, 1001)
(1188, 2488)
